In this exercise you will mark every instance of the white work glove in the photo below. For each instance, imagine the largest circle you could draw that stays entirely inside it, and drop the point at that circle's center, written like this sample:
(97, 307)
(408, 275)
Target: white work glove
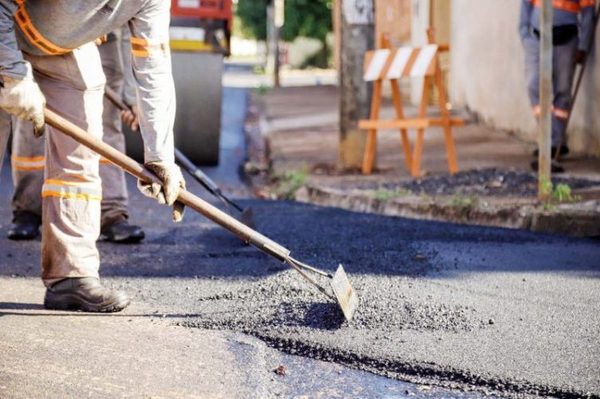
(24, 99)
(167, 194)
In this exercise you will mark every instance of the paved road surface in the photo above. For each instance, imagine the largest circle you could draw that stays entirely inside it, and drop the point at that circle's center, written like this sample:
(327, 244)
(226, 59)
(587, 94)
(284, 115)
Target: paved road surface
(495, 311)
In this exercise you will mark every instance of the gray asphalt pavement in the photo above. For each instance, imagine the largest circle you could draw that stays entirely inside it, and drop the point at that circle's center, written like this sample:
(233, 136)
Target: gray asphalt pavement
(449, 308)
(490, 310)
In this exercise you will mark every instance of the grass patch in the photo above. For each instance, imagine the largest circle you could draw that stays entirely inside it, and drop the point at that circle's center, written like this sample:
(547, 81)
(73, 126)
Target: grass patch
(386, 195)
(557, 194)
(462, 201)
(287, 184)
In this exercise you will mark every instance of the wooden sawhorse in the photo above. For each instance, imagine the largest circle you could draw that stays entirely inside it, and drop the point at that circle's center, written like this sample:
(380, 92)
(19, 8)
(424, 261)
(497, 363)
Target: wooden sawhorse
(391, 65)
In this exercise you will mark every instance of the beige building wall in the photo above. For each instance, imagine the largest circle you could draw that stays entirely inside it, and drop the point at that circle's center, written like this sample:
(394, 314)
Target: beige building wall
(488, 74)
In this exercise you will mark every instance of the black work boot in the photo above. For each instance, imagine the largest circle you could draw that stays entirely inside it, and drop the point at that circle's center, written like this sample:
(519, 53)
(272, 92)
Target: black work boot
(26, 226)
(122, 232)
(86, 294)
(555, 167)
(563, 150)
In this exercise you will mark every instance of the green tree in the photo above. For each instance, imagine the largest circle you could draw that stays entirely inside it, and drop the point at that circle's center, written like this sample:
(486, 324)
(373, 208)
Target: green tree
(309, 18)
(253, 15)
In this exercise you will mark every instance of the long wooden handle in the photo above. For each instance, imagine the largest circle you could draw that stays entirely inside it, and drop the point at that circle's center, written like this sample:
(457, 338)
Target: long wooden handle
(115, 99)
(188, 199)
(180, 157)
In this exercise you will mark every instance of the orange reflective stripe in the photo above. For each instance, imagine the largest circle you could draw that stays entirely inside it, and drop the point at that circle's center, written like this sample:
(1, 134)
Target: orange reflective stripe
(33, 35)
(69, 189)
(564, 5)
(143, 48)
(105, 161)
(587, 3)
(29, 159)
(28, 164)
(60, 194)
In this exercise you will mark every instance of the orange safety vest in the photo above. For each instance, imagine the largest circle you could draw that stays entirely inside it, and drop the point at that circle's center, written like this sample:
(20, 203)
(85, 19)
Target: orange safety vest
(567, 5)
(33, 35)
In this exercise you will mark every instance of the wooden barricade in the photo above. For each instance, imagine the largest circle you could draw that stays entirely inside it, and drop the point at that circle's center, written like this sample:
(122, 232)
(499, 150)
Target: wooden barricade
(387, 64)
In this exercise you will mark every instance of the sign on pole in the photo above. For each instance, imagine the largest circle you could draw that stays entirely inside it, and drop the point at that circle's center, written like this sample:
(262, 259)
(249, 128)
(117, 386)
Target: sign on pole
(279, 13)
(358, 12)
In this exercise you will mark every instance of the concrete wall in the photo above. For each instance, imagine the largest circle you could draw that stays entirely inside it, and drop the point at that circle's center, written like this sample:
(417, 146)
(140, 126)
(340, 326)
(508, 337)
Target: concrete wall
(488, 74)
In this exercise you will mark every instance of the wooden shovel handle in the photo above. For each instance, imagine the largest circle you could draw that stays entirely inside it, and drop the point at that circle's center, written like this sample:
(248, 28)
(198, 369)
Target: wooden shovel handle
(188, 199)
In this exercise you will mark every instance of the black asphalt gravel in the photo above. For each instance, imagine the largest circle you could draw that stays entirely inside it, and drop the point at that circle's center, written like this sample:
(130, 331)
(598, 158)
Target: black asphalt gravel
(497, 311)
(485, 182)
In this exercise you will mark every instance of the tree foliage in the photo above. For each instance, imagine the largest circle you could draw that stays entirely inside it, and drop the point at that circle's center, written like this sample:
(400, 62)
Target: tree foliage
(309, 18)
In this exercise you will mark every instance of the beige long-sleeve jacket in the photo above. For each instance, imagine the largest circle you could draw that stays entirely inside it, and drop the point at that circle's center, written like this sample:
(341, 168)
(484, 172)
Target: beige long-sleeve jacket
(42, 27)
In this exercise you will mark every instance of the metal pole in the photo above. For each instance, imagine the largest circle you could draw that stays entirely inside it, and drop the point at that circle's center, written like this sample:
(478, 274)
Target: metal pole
(545, 122)
(357, 37)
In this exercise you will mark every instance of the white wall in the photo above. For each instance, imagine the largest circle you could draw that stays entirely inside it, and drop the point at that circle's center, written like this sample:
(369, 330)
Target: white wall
(488, 74)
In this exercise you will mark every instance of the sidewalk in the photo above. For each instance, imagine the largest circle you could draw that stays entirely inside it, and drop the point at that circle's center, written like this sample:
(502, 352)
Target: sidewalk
(294, 133)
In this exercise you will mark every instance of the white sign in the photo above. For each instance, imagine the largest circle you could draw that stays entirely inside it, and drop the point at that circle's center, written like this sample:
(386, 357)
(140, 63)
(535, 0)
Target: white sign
(279, 13)
(358, 12)
(188, 3)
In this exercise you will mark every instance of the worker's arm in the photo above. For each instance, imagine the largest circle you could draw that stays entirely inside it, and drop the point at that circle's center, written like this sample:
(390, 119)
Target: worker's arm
(19, 93)
(525, 19)
(12, 63)
(586, 24)
(129, 83)
(129, 95)
(151, 65)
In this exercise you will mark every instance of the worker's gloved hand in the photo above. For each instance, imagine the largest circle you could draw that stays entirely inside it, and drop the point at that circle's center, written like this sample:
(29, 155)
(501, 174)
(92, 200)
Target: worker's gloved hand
(24, 99)
(173, 183)
(130, 118)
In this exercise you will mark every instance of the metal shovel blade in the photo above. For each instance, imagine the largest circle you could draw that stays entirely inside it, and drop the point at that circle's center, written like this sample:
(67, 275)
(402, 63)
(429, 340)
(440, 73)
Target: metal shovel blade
(344, 293)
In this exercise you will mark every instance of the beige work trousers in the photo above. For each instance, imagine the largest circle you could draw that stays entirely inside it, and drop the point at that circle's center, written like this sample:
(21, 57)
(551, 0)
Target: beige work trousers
(74, 87)
(28, 153)
(5, 129)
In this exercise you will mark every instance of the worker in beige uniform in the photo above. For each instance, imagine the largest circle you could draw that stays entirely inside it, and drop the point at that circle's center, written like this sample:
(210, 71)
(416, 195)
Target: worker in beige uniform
(28, 165)
(5, 126)
(47, 56)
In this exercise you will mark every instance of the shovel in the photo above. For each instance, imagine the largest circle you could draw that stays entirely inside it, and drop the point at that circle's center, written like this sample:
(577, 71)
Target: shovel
(340, 289)
(246, 215)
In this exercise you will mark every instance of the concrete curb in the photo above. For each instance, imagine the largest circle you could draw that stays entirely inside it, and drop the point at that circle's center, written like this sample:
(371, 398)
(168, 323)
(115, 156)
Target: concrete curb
(578, 219)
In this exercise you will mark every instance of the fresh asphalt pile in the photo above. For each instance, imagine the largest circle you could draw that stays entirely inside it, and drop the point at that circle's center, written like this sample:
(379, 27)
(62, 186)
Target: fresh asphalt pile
(485, 182)
(463, 307)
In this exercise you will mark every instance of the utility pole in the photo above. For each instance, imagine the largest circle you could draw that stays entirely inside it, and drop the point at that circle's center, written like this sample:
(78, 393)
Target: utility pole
(275, 20)
(545, 122)
(357, 37)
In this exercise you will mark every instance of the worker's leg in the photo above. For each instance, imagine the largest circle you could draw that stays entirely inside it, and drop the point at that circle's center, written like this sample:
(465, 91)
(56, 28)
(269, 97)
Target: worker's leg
(5, 128)
(27, 163)
(73, 85)
(563, 71)
(532, 72)
(115, 199)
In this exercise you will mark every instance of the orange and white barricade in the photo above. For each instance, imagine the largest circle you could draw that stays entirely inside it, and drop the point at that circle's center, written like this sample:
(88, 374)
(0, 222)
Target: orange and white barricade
(389, 64)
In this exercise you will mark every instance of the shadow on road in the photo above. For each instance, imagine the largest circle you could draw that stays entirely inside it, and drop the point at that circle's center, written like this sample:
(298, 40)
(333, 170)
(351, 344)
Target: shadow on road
(325, 237)
(36, 309)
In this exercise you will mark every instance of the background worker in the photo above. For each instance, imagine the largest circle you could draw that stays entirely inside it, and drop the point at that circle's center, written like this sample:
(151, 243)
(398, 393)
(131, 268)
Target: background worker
(572, 30)
(28, 166)
(53, 42)
(5, 126)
